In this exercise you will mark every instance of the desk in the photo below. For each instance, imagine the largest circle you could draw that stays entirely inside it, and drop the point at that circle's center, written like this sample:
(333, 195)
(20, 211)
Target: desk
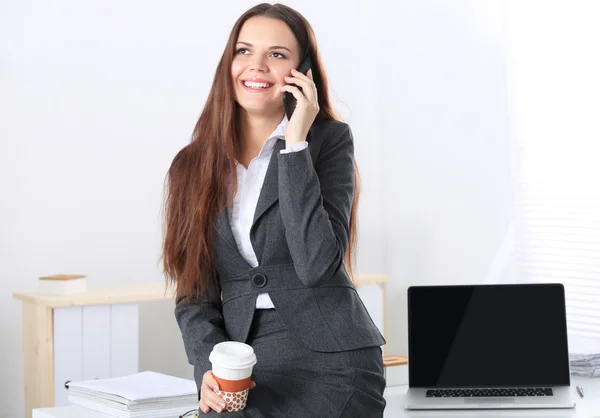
(586, 408)
(93, 335)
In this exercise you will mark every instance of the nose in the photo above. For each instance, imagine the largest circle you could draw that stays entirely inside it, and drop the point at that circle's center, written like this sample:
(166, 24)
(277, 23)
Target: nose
(258, 64)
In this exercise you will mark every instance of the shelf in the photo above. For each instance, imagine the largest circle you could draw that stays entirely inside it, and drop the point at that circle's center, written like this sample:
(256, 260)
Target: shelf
(101, 295)
(134, 292)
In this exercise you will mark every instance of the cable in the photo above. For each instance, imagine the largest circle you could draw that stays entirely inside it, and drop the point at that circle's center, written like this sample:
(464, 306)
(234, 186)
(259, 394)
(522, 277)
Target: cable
(195, 411)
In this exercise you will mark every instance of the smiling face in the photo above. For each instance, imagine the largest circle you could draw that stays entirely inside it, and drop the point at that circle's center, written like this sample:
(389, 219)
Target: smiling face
(266, 52)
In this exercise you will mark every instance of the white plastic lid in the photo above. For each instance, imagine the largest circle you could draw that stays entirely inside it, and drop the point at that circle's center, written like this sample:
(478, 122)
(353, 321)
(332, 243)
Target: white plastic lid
(233, 355)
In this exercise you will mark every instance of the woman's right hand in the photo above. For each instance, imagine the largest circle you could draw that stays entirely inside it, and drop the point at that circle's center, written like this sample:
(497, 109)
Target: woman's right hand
(209, 399)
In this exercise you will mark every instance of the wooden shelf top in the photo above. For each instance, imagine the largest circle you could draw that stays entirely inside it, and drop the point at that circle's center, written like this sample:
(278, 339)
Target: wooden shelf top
(371, 279)
(102, 295)
(394, 360)
(131, 293)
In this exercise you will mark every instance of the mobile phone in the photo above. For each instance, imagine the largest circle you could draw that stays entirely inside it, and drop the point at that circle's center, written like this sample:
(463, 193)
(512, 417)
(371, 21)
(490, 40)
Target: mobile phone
(289, 101)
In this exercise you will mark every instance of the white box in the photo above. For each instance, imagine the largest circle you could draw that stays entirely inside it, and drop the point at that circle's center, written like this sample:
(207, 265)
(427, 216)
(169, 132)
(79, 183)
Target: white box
(62, 284)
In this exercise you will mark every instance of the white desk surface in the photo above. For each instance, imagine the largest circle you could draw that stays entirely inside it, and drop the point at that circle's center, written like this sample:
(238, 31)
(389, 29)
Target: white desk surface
(589, 407)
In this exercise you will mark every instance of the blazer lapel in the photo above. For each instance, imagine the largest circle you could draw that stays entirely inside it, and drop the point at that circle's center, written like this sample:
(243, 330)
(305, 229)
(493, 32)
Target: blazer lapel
(269, 193)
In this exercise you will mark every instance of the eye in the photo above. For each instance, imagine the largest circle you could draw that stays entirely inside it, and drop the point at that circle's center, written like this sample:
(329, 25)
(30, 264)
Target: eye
(242, 51)
(279, 55)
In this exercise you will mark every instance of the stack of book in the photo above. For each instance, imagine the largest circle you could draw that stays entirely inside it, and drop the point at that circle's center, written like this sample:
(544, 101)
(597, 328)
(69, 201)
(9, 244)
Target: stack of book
(145, 394)
(585, 364)
(63, 284)
(584, 356)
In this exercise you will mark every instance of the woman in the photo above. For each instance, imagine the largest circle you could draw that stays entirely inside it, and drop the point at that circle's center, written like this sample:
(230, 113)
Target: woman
(260, 227)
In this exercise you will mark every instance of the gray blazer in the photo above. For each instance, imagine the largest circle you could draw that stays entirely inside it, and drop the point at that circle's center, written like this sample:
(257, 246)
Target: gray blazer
(300, 235)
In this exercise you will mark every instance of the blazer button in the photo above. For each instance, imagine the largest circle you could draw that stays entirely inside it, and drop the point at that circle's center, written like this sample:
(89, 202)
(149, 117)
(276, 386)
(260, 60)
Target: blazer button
(259, 280)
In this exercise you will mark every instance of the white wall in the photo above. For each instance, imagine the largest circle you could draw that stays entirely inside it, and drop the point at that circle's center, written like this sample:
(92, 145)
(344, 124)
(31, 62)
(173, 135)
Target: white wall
(96, 98)
(447, 191)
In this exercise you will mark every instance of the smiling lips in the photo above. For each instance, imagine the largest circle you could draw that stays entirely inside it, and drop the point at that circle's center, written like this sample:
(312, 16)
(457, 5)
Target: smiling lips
(256, 85)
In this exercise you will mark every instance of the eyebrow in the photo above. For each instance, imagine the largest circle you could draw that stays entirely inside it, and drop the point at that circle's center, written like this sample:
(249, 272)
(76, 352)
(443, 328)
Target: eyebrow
(271, 47)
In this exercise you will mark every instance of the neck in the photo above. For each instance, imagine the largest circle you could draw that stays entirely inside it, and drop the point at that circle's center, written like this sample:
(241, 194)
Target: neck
(255, 129)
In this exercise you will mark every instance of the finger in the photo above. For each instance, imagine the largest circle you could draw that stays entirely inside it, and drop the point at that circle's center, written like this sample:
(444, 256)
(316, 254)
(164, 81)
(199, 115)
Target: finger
(301, 75)
(309, 84)
(213, 401)
(308, 77)
(310, 74)
(300, 82)
(203, 407)
(210, 380)
(212, 383)
(209, 396)
(295, 91)
(252, 385)
(308, 87)
(301, 100)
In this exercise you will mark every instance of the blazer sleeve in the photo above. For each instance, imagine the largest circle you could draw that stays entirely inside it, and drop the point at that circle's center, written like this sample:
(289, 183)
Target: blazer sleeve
(201, 323)
(315, 202)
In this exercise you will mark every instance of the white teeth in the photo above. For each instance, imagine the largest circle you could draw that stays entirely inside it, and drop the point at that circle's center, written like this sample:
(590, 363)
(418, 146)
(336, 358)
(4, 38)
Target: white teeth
(254, 85)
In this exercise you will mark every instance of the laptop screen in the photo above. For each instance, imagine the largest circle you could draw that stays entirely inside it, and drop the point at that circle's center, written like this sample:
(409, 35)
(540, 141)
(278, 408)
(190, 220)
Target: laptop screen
(487, 335)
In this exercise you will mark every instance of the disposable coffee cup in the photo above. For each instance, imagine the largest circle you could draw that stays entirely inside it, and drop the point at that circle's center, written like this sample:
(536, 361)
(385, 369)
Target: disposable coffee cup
(232, 364)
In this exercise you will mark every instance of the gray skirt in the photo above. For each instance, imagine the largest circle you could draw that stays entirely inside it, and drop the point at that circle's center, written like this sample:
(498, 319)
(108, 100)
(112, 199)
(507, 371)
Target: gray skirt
(295, 382)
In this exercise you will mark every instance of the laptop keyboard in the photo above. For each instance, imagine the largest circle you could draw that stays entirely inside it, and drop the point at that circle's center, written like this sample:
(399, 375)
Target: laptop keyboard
(467, 393)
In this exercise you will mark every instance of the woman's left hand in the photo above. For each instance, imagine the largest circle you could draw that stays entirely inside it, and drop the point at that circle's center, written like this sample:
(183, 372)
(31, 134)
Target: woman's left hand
(307, 106)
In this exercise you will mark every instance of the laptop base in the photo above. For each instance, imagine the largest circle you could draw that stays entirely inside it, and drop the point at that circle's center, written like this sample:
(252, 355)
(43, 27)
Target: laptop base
(562, 399)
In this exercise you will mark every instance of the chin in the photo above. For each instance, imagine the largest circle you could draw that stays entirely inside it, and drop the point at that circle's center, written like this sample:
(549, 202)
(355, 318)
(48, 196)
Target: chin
(256, 109)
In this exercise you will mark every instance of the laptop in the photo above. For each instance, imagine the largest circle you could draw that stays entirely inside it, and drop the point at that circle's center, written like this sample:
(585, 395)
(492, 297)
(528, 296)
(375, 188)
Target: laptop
(495, 346)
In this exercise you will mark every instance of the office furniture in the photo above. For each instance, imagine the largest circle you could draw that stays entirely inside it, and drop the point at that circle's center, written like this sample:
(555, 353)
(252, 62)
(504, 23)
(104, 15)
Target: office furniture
(94, 334)
(586, 408)
(394, 360)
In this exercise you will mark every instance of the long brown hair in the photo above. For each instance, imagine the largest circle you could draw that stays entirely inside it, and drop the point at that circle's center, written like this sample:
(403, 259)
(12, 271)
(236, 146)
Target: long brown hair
(197, 181)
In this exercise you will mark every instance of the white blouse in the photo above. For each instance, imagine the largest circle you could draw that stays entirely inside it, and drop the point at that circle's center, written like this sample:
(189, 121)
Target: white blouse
(250, 181)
